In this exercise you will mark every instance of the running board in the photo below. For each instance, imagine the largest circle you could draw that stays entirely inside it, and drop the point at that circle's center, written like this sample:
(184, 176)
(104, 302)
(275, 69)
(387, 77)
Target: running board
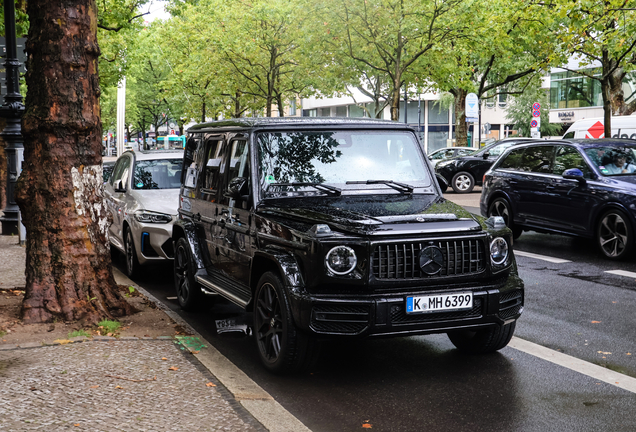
(231, 296)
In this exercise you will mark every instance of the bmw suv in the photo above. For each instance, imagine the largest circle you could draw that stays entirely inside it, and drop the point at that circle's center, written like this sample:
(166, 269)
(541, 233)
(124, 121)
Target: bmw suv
(336, 228)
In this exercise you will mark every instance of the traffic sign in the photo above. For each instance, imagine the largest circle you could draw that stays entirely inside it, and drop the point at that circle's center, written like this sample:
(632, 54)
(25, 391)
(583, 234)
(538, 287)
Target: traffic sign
(536, 106)
(536, 113)
(533, 124)
(472, 105)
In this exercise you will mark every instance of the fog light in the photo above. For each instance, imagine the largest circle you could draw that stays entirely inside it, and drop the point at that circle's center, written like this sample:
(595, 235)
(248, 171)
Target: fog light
(341, 260)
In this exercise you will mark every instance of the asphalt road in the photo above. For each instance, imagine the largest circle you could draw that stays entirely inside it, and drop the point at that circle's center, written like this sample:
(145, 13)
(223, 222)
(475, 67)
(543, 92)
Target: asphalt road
(573, 306)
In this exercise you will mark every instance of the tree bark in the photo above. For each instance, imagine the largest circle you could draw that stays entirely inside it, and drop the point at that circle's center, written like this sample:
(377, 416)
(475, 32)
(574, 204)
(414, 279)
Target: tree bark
(68, 266)
(461, 127)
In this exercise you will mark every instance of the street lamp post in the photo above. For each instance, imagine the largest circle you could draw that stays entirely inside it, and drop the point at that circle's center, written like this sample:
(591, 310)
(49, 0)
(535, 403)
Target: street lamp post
(12, 111)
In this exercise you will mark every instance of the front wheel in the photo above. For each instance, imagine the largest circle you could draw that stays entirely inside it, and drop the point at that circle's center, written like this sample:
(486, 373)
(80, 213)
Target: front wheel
(501, 207)
(132, 264)
(281, 347)
(484, 341)
(463, 182)
(614, 235)
(188, 290)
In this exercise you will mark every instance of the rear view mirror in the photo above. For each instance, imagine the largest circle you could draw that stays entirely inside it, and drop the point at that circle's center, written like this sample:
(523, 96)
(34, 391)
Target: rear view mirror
(237, 189)
(486, 155)
(118, 186)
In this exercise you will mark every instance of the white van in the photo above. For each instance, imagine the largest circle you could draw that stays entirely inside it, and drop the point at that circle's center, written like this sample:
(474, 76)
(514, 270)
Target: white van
(622, 127)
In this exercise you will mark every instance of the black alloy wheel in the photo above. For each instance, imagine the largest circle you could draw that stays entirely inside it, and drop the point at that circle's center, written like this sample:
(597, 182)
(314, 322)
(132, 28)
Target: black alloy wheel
(132, 264)
(463, 182)
(614, 235)
(186, 286)
(281, 347)
(483, 341)
(501, 207)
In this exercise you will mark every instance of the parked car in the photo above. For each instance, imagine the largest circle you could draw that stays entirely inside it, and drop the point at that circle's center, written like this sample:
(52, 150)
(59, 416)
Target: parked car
(335, 228)
(571, 187)
(464, 172)
(449, 152)
(142, 195)
(107, 169)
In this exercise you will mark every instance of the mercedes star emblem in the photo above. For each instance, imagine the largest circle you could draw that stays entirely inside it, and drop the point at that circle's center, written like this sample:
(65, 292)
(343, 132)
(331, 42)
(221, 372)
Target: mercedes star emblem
(431, 260)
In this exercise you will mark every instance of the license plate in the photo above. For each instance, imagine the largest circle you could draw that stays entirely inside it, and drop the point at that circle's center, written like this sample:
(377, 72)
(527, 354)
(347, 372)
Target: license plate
(439, 302)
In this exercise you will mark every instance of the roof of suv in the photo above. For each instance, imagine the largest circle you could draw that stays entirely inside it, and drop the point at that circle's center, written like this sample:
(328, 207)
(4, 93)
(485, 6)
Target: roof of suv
(274, 122)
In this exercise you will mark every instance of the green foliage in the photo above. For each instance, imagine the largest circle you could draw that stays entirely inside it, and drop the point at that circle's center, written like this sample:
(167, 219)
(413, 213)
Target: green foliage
(109, 327)
(79, 333)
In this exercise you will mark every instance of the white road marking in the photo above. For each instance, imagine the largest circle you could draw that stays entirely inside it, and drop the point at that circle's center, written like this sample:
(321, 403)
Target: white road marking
(622, 273)
(586, 368)
(541, 257)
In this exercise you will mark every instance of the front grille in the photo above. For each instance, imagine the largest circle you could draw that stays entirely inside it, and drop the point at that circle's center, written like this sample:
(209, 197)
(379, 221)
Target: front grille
(401, 260)
(510, 304)
(399, 315)
(340, 318)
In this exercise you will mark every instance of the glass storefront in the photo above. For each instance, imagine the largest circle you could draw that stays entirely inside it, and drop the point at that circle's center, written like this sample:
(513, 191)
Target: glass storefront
(571, 90)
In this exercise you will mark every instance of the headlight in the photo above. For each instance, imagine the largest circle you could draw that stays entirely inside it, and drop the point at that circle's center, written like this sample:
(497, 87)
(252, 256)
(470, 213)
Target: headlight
(341, 260)
(152, 217)
(498, 251)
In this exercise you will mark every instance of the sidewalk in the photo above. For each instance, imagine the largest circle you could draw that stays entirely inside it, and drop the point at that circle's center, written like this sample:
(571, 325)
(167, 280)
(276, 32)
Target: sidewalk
(164, 383)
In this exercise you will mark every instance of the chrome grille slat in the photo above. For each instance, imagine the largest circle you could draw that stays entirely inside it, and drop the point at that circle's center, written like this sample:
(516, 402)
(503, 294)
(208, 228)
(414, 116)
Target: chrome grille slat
(399, 260)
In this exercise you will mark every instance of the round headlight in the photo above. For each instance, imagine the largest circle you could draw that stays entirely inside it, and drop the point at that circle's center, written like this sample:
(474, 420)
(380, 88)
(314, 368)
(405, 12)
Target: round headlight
(341, 260)
(498, 251)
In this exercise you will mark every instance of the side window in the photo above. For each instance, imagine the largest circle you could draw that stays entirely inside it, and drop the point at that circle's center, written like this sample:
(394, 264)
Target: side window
(513, 160)
(190, 171)
(239, 166)
(498, 149)
(213, 167)
(568, 135)
(568, 157)
(538, 159)
(120, 172)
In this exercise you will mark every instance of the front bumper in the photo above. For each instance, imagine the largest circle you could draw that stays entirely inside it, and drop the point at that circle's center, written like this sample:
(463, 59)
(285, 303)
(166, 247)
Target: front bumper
(153, 242)
(386, 315)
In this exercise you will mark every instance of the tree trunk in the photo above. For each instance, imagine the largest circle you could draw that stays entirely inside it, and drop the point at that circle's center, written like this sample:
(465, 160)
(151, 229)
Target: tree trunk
(461, 127)
(395, 101)
(607, 96)
(68, 267)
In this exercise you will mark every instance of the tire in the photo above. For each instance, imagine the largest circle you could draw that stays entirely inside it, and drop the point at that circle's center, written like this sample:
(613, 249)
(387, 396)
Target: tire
(188, 290)
(132, 263)
(463, 182)
(614, 235)
(501, 207)
(483, 341)
(281, 347)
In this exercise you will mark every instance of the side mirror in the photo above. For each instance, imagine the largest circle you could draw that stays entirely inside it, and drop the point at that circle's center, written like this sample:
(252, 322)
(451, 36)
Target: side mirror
(574, 174)
(486, 155)
(118, 186)
(237, 189)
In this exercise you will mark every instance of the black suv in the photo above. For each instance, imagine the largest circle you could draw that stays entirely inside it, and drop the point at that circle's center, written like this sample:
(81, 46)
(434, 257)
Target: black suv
(464, 172)
(335, 227)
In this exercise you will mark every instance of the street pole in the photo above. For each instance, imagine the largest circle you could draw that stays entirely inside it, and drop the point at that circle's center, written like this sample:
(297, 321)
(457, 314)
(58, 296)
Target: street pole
(12, 110)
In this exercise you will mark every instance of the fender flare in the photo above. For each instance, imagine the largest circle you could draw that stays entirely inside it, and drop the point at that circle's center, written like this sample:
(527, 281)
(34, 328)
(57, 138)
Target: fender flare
(188, 230)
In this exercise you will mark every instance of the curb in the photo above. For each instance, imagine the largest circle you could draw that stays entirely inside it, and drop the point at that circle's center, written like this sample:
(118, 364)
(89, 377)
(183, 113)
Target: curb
(260, 404)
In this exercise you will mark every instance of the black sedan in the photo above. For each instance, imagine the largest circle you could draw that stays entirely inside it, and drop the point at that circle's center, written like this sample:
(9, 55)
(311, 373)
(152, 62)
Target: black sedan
(577, 187)
(464, 172)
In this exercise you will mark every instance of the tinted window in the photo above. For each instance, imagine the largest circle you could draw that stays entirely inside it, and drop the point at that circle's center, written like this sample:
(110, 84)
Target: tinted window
(568, 157)
(513, 160)
(120, 172)
(538, 159)
(213, 167)
(614, 160)
(239, 166)
(157, 174)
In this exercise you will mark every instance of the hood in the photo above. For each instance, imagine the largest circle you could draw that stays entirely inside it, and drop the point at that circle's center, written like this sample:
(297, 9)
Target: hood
(157, 200)
(375, 214)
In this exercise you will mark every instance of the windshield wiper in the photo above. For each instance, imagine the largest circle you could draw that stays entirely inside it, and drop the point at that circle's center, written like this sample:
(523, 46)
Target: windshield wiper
(400, 187)
(320, 186)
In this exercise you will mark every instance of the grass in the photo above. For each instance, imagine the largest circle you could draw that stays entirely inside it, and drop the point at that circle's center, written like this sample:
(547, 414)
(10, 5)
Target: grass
(108, 327)
(78, 333)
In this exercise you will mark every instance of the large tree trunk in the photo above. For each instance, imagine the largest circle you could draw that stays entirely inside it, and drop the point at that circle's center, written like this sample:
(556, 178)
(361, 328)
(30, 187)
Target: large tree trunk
(461, 127)
(68, 267)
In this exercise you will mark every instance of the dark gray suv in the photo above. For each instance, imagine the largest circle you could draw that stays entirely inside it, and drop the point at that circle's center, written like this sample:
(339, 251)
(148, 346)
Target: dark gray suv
(336, 228)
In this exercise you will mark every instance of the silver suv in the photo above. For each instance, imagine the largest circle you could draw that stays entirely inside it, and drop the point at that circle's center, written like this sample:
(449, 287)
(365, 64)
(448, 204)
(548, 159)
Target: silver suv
(142, 194)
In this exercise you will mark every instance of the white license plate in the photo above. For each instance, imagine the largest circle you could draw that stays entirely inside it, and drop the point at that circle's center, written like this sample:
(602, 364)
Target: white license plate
(439, 302)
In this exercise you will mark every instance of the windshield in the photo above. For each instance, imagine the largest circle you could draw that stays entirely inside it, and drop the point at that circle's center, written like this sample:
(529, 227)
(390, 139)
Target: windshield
(157, 174)
(613, 161)
(347, 160)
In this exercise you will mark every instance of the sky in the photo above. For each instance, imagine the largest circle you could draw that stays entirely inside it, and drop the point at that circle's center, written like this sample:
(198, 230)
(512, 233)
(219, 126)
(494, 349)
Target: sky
(156, 9)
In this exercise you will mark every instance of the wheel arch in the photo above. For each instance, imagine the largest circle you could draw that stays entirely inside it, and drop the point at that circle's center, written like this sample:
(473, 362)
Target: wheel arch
(613, 205)
(187, 230)
(283, 263)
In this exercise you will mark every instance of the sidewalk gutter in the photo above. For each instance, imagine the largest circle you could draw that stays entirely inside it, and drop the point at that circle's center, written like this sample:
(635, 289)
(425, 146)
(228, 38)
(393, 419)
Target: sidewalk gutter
(250, 395)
